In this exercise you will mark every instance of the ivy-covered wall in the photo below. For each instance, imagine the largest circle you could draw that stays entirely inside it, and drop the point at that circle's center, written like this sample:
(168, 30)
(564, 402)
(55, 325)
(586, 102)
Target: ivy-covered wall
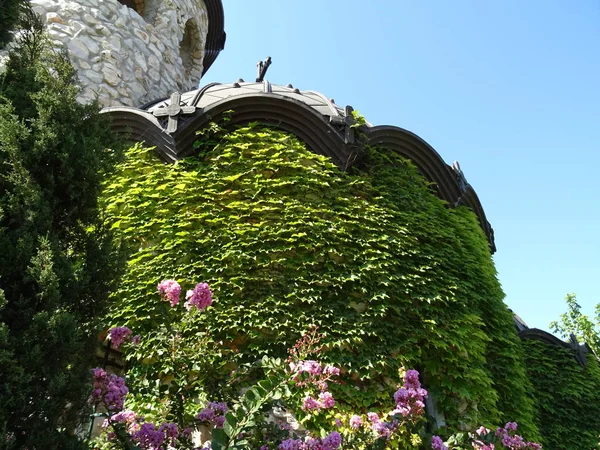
(286, 240)
(567, 397)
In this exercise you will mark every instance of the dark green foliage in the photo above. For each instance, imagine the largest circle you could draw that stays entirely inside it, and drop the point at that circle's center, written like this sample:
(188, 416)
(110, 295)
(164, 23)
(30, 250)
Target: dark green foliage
(10, 14)
(390, 274)
(567, 397)
(56, 260)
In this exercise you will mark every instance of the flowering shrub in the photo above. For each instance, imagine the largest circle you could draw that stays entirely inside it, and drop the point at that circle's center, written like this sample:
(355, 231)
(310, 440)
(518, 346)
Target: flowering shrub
(484, 439)
(299, 385)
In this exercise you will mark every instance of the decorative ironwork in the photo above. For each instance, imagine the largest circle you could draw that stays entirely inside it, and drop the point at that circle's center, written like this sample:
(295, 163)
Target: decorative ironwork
(460, 176)
(174, 109)
(262, 68)
(347, 121)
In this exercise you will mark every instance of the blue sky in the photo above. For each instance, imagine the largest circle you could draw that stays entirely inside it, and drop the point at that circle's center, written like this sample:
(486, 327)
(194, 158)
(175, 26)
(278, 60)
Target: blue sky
(510, 89)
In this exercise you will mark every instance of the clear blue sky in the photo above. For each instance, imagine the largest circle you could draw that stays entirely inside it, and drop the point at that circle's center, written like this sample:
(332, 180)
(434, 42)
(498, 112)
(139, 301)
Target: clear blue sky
(509, 88)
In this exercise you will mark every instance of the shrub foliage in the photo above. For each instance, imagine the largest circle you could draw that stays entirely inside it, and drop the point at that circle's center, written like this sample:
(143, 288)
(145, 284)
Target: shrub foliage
(56, 260)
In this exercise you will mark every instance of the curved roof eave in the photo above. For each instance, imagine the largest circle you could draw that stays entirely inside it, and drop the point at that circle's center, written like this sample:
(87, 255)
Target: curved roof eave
(579, 350)
(215, 38)
(316, 130)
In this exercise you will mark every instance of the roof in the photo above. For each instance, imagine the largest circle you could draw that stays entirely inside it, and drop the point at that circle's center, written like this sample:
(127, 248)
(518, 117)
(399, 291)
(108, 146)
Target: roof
(215, 38)
(325, 127)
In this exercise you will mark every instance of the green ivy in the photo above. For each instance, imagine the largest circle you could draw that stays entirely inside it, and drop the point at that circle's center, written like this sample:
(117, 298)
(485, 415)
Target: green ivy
(389, 273)
(567, 397)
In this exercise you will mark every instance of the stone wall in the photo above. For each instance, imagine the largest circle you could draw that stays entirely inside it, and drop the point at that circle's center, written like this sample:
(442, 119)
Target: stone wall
(129, 52)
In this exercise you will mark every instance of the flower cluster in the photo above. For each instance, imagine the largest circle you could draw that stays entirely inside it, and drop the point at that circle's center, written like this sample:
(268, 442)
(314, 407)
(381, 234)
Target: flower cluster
(513, 441)
(214, 412)
(170, 290)
(108, 389)
(410, 397)
(119, 335)
(126, 417)
(200, 297)
(484, 439)
(149, 437)
(325, 401)
(331, 442)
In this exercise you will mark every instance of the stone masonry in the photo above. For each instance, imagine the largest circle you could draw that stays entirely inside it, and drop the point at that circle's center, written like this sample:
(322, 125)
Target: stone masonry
(129, 52)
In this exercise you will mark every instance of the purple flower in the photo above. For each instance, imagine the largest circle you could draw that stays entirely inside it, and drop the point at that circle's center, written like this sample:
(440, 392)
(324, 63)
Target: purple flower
(118, 335)
(136, 339)
(218, 407)
(200, 297)
(291, 444)
(219, 421)
(332, 441)
(206, 415)
(108, 389)
(411, 379)
(437, 443)
(148, 437)
(169, 429)
(170, 290)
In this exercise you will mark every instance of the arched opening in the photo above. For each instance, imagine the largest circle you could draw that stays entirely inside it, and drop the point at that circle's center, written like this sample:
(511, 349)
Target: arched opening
(189, 48)
(148, 9)
(130, 4)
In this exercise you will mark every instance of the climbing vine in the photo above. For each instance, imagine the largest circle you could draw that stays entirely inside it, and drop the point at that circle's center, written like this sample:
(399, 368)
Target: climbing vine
(390, 274)
(567, 397)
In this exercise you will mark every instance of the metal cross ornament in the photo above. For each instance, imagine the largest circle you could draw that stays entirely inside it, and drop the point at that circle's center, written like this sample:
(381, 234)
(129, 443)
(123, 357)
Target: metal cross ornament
(173, 110)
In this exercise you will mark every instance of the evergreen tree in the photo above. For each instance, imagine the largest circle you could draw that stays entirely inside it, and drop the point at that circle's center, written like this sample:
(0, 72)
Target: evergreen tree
(10, 11)
(57, 263)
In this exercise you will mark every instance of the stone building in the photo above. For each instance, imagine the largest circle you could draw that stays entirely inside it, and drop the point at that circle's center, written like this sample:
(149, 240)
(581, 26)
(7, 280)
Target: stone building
(128, 52)
(144, 60)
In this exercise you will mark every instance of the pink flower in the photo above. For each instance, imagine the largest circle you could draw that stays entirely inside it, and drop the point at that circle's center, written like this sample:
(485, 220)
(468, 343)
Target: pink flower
(170, 290)
(310, 403)
(200, 297)
(356, 421)
(118, 335)
(327, 400)
(331, 370)
(373, 417)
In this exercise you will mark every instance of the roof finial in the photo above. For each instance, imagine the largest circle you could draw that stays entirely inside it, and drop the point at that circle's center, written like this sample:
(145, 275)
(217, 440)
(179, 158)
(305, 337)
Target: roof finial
(262, 67)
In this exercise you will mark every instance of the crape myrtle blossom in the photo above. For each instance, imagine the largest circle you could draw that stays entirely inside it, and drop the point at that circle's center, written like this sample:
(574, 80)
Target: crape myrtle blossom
(170, 290)
(505, 438)
(118, 335)
(108, 389)
(200, 297)
(214, 412)
(126, 417)
(513, 441)
(331, 442)
(437, 443)
(356, 421)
